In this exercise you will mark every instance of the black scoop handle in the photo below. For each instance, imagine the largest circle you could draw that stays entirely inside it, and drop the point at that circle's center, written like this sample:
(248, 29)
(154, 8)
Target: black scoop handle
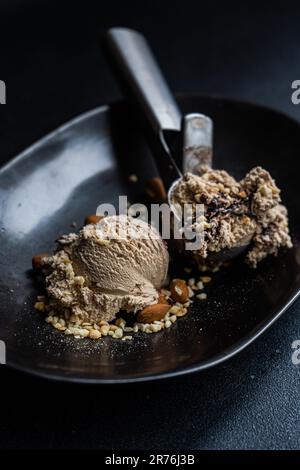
(141, 78)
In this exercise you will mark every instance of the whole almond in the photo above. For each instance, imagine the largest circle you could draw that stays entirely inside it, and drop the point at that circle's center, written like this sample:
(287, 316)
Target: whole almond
(37, 261)
(155, 189)
(153, 313)
(92, 219)
(179, 290)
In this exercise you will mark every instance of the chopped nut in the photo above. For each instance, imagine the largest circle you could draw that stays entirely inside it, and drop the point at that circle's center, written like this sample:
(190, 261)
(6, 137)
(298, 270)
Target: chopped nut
(57, 326)
(155, 189)
(215, 269)
(174, 309)
(74, 318)
(120, 322)
(182, 312)
(265, 190)
(143, 326)
(40, 306)
(202, 296)
(118, 333)
(167, 316)
(203, 268)
(84, 332)
(133, 178)
(94, 334)
(102, 241)
(155, 327)
(179, 311)
(127, 338)
(113, 327)
(162, 299)
(148, 330)
(206, 279)
(191, 292)
(79, 280)
(104, 330)
(37, 261)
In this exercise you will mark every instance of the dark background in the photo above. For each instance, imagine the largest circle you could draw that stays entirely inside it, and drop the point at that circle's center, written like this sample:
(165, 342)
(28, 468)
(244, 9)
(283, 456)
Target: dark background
(51, 61)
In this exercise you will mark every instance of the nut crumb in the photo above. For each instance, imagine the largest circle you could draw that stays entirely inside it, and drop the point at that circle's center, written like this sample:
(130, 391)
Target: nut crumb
(133, 178)
(205, 279)
(202, 296)
(127, 338)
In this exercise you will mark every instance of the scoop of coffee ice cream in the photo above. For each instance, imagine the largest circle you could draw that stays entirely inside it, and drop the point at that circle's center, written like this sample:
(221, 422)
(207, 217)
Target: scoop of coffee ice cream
(117, 264)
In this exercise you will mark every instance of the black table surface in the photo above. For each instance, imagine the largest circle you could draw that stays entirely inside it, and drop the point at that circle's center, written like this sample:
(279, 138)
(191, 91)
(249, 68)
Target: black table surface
(51, 61)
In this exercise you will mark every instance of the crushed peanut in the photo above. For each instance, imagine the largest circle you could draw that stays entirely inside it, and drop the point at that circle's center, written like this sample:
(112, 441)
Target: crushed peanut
(119, 329)
(202, 296)
(127, 338)
(205, 279)
(133, 178)
(39, 306)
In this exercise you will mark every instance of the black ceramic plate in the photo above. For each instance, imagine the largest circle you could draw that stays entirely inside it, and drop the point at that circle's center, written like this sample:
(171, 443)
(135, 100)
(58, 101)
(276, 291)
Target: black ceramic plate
(65, 176)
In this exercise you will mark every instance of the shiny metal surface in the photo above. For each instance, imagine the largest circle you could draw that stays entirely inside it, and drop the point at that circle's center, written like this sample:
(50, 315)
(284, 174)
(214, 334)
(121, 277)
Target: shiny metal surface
(197, 131)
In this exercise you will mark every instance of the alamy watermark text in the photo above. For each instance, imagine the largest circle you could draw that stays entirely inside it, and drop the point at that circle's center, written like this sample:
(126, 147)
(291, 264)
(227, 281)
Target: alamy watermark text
(2, 92)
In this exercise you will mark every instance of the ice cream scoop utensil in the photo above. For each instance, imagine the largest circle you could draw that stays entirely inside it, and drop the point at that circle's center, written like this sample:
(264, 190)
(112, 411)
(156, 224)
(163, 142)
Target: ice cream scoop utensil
(140, 76)
(142, 79)
(169, 134)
